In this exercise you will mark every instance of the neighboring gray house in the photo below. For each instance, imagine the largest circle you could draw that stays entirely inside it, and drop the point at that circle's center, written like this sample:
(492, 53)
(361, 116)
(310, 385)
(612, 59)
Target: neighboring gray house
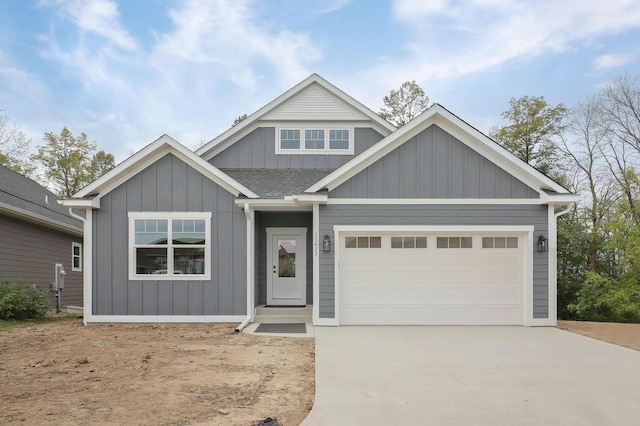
(316, 200)
(36, 233)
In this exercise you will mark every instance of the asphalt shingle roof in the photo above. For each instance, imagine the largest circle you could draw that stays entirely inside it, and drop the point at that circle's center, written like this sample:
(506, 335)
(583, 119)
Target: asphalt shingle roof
(277, 183)
(23, 193)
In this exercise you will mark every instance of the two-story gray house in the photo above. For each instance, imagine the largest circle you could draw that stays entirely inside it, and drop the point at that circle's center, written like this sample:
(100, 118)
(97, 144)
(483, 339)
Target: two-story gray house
(314, 200)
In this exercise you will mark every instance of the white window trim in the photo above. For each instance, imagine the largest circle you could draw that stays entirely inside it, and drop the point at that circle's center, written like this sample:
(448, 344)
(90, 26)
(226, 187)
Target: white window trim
(326, 150)
(170, 276)
(73, 256)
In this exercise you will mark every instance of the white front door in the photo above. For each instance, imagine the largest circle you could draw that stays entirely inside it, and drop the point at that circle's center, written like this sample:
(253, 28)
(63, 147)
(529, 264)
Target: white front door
(286, 266)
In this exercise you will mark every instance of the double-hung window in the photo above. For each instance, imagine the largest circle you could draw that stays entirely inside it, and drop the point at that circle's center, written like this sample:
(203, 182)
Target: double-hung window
(76, 257)
(169, 246)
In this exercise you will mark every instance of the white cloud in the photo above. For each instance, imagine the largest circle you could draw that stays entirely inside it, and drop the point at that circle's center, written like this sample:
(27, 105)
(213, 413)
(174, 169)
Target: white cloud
(612, 60)
(451, 38)
(225, 33)
(100, 17)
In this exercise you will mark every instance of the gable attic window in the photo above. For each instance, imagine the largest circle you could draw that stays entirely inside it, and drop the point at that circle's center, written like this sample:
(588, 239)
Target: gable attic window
(314, 139)
(169, 246)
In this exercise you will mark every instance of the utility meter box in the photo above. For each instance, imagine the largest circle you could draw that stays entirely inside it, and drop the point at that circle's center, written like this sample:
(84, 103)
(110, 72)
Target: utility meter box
(60, 273)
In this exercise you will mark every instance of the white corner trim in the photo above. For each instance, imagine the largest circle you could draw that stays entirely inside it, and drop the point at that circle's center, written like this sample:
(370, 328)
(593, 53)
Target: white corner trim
(163, 318)
(87, 274)
(316, 263)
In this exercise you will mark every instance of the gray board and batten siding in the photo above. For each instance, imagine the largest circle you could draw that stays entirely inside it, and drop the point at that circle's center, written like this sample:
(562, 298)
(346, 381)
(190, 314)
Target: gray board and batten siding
(433, 164)
(257, 150)
(169, 185)
(29, 252)
(434, 215)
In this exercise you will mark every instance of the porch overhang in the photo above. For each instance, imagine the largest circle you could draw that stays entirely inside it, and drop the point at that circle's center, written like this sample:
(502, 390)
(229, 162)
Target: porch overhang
(301, 202)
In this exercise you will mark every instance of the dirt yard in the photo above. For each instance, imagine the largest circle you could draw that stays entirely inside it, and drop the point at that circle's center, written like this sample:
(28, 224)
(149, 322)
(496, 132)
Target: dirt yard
(172, 374)
(627, 335)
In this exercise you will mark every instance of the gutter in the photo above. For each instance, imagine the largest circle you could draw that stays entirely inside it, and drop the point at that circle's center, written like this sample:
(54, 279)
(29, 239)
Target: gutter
(565, 211)
(249, 215)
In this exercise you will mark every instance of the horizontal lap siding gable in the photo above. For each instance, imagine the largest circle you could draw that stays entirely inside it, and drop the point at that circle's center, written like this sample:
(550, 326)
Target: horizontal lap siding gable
(169, 185)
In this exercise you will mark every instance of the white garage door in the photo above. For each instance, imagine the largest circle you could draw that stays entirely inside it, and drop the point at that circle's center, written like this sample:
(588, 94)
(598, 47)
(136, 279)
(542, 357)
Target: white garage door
(431, 278)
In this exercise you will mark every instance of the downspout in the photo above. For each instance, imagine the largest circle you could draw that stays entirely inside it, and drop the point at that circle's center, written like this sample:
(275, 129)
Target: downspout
(249, 215)
(553, 261)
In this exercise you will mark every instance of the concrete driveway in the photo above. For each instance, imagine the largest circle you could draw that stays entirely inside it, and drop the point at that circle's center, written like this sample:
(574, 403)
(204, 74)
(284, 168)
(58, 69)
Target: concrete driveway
(452, 375)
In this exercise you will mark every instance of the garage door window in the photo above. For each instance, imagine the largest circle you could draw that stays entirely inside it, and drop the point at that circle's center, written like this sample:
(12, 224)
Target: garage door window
(454, 242)
(408, 242)
(499, 242)
(363, 242)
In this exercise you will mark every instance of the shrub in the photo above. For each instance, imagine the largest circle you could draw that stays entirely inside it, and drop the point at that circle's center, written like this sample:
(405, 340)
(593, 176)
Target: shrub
(19, 301)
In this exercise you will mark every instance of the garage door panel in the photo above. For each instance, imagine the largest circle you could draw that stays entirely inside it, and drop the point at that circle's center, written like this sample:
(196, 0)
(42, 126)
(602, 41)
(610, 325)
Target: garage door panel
(498, 277)
(431, 285)
(498, 295)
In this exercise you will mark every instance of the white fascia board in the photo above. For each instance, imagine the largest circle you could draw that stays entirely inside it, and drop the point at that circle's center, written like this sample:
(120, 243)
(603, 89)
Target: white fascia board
(561, 199)
(456, 127)
(311, 198)
(39, 219)
(152, 153)
(436, 201)
(163, 318)
(93, 203)
(247, 125)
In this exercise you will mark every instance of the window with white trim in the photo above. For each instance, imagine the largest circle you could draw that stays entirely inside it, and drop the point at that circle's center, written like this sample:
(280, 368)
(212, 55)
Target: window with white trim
(169, 245)
(76, 257)
(315, 139)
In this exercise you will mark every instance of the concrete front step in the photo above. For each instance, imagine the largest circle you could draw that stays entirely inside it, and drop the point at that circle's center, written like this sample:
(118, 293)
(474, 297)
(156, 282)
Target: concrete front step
(274, 315)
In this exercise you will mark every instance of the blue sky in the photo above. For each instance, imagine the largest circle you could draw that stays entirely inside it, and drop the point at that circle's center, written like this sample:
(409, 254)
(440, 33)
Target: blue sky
(126, 72)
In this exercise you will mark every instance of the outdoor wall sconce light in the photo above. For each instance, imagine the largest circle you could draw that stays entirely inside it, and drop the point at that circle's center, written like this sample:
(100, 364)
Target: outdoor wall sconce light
(326, 243)
(542, 243)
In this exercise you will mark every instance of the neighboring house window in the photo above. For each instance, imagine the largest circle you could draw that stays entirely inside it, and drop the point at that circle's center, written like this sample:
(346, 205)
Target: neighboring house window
(169, 245)
(409, 242)
(314, 139)
(76, 257)
(454, 242)
(363, 242)
(500, 242)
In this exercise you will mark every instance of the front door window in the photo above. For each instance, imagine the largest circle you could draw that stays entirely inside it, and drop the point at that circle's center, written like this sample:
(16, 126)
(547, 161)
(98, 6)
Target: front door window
(287, 258)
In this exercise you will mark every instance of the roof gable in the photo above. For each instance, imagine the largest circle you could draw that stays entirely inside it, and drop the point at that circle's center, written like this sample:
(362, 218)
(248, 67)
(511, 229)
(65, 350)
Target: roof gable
(312, 99)
(457, 128)
(150, 154)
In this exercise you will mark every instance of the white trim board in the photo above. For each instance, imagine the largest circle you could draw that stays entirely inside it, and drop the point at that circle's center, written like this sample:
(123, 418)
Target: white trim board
(164, 318)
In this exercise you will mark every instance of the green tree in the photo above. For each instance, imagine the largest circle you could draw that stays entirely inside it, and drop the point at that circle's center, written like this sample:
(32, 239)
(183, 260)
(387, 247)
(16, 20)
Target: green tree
(404, 104)
(14, 145)
(534, 126)
(68, 161)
